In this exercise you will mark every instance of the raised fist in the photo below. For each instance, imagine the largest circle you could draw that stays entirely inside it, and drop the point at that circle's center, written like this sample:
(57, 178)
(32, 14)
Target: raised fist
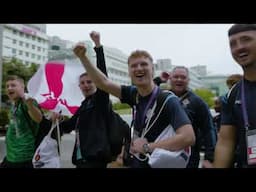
(95, 36)
(79, 50)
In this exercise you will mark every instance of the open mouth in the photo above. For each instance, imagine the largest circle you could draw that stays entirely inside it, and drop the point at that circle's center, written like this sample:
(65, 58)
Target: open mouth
(139, 76)
(179, 85)
(243, 56)
(11, 93)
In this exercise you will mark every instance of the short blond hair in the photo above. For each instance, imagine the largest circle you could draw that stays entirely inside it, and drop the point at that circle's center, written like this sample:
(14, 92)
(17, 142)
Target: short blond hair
(140, 53)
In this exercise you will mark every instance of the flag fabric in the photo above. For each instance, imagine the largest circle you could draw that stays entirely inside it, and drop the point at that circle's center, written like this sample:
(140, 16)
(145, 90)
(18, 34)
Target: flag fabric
(55, 87)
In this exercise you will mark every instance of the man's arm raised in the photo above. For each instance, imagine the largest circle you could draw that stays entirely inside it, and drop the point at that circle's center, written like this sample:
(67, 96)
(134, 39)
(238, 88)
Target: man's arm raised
(100, 79)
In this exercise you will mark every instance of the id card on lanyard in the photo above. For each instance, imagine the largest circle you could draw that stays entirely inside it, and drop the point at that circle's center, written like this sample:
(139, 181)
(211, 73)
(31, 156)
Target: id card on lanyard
(251, 146)
(250, 133)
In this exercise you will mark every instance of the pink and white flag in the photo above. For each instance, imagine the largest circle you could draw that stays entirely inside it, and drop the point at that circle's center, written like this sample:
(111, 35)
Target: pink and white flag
(55, 87)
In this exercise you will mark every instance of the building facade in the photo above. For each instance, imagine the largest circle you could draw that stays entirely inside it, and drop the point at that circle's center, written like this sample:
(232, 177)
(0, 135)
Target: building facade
(216, 83)
(116, 61)
(26, 42)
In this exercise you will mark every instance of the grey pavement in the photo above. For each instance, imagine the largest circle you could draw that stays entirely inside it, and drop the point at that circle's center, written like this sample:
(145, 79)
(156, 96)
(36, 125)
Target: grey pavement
(67, 145)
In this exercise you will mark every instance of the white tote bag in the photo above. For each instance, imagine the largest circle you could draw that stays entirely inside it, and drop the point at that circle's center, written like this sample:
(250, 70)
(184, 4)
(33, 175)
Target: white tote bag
(161, 158)
(47, 154)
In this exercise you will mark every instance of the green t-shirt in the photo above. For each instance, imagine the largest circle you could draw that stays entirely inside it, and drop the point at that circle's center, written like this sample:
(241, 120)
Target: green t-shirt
(20, 140)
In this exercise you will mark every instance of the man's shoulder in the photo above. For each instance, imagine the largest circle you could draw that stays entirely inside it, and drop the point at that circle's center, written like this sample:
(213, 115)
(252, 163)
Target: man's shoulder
(195, 99)
(165, 95)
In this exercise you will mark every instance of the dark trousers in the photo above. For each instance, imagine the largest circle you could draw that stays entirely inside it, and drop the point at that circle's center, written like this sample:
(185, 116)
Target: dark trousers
(8, 164)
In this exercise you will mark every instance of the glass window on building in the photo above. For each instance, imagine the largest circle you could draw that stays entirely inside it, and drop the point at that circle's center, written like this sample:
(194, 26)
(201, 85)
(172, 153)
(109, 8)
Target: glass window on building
(38, 48)
(20, 43)
(21, 34)
(14, 32)
(14, 41)
(27, 36)
(33, 46)
(20, 52)
(38, 57)
(27, 54)
(13, 51)
(33, 56)
(27, 45)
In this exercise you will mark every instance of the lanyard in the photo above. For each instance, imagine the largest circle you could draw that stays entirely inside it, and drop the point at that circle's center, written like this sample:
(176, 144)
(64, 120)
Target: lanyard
(184, 96)
(151, 99)
(243, 105)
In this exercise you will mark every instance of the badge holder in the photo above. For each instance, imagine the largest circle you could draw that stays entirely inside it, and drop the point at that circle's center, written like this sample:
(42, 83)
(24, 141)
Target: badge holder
(251, 146)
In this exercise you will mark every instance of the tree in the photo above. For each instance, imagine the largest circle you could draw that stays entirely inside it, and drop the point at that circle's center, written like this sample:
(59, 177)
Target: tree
(206, 95)
(15, 67)
(4, 119)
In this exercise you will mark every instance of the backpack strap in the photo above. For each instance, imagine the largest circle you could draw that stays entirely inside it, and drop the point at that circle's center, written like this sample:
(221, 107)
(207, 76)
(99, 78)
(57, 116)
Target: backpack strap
(231, 95)
(158, 107)
(28, 119)
(163, 96)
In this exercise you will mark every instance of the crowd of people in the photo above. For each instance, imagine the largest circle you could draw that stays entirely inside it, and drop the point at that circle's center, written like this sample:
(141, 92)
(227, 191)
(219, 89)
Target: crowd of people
(165, 121)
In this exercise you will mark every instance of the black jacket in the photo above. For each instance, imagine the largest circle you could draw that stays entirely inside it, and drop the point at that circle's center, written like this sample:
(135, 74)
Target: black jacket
(90, 120)
(202, 122)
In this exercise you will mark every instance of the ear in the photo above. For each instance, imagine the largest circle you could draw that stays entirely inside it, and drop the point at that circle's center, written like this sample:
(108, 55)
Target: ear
(153, 71)
(129, 71)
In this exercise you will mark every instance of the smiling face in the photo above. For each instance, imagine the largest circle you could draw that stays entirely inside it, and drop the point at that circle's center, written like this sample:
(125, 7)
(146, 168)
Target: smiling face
(179, 80)
(14, 89)
(243, 48)
(140, 71)
(86, 85)
(141, 68)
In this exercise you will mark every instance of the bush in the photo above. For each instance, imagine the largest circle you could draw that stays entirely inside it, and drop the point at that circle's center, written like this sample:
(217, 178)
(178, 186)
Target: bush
(206, 95)
(4, 118)
(118, 106)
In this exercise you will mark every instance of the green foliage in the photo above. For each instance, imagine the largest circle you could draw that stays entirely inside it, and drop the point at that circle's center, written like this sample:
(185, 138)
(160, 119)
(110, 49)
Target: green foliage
(15, 67)
(118, 106)
(206, 95)
(4, 118)
(123, 111)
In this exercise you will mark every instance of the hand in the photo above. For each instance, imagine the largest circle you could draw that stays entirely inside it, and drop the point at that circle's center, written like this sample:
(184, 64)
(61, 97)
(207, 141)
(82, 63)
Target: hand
(207, 164)
(27, 98)
(137, 145)
(79, 50)
(165, 76)
(55, 116)
(95, 36)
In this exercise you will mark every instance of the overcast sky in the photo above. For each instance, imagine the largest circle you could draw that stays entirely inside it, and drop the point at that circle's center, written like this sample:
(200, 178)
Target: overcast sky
(184, 44)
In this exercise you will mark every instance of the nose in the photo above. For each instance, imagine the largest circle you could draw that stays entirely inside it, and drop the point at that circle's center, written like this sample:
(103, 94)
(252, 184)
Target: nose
(139, 67)
(239, 46)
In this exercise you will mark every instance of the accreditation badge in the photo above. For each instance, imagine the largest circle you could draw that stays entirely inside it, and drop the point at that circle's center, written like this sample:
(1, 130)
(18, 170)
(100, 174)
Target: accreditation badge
(251, 146)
